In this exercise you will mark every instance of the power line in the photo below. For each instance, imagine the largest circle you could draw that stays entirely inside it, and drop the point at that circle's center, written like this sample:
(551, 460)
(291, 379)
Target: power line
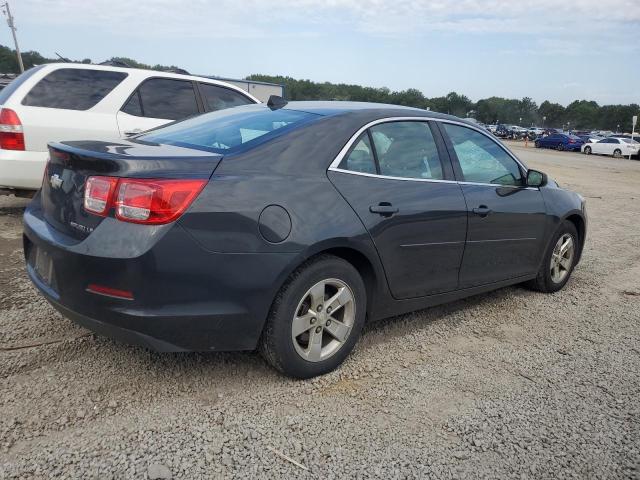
(12, 26)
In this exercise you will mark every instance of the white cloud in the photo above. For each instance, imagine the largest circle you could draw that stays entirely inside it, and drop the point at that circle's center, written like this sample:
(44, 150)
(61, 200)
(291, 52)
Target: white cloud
(261, 18)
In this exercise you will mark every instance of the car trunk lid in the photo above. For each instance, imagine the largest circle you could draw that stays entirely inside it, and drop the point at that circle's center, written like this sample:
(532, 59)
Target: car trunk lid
(72, 163)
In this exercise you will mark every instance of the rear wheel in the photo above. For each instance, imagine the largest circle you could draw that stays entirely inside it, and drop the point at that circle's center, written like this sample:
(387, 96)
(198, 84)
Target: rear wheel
(617, 153)
(587, 150)
(559, 260)
(560, 147)
(537, 144)
(316, 318)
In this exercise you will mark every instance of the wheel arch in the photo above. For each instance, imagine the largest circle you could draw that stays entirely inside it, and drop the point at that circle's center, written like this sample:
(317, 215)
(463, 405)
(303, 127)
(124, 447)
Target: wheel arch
(581, 226)
(363, 258)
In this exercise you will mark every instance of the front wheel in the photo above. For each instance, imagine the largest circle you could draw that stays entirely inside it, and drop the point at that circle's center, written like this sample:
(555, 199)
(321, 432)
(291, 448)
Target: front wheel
(559, 260)
(537, 144)
(316, 318)
(587, 150)
(617, 153)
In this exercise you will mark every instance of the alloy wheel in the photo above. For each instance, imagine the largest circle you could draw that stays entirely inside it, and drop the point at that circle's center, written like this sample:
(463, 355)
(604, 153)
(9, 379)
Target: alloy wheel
(323, 320)
(562, 258)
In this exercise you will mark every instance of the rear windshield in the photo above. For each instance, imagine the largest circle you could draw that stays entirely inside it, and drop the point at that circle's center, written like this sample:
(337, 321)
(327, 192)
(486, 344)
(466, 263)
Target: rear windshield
(73, 88)
(229, 130)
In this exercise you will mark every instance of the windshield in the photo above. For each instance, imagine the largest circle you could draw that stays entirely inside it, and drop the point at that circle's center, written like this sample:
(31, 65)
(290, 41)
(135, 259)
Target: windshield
(229, 130)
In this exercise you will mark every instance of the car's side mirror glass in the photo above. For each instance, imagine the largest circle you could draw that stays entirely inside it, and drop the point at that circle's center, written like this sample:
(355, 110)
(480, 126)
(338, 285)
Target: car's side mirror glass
(536, 178)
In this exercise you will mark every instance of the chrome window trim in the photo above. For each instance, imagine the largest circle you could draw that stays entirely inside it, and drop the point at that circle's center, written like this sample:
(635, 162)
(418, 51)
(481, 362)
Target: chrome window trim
(343, 152)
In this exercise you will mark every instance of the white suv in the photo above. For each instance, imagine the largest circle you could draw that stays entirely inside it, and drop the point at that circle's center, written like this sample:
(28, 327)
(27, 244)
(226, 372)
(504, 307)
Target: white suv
(71, 101)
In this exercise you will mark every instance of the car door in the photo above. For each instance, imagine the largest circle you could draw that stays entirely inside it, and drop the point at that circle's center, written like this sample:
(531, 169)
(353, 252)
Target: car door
(155, 102)
(550, 140)
(603, 146)
(506, 227)
(398, 179)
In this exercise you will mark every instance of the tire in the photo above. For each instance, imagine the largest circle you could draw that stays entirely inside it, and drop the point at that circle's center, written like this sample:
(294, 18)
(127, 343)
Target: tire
(617, 153)
(294, 355)
(587, 150)
(537, 144)
(560, 147)
(546, 281)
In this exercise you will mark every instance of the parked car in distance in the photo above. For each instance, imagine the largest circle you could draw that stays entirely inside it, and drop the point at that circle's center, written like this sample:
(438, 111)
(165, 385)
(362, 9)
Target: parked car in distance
(238, 229)
(559, 141)
(71, 101)
(536, 130)
(616, 147)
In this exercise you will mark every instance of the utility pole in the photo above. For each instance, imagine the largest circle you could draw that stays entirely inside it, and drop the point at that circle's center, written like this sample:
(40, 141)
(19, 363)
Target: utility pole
(12, 26)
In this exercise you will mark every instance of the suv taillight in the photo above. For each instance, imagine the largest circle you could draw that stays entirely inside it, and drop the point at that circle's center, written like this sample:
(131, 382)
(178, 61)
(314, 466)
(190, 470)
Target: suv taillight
(11, 133)
(148, 201)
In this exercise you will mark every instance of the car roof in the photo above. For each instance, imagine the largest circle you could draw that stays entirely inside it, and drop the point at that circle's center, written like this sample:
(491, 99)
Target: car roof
(333, 108)
(143, 73)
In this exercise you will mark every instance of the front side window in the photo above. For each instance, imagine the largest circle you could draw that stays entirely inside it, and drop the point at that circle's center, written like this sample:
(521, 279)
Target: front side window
(226, 131)
(168, 99)
(218, 98)
(406, 149)
(360, 158)
(481, 159)
(73, 88)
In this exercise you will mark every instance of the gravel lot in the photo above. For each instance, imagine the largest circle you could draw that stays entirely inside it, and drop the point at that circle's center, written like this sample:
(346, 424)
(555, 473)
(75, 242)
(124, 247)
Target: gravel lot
(511, 384)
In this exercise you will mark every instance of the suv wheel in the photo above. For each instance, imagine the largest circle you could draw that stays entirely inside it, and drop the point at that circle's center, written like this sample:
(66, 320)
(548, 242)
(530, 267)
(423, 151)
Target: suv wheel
(316, 318)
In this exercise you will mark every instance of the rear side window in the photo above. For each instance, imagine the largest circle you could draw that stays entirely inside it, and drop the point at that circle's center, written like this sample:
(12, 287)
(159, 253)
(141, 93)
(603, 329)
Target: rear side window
(13, 86)
(406, 149)
(168, 99)
(73, 88)
(219, 98)
(229, 130)
(361, 158)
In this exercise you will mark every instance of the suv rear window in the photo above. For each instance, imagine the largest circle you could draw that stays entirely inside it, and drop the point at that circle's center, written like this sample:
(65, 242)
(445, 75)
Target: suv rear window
(73, 88)
(229, 130)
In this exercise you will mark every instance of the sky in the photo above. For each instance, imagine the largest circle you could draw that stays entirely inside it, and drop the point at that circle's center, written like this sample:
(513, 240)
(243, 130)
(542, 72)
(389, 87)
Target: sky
(548, 50)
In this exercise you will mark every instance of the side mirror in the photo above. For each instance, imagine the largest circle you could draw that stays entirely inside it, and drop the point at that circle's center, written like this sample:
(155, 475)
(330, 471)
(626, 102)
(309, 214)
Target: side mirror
(536, 178)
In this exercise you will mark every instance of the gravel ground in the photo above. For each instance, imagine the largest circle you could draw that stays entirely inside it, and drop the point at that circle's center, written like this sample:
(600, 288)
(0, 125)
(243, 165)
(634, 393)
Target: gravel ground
(511, 384)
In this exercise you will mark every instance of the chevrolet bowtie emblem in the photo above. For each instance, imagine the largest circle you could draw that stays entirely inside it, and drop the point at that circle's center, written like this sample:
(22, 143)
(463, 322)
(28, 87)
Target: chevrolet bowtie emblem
(55, 181)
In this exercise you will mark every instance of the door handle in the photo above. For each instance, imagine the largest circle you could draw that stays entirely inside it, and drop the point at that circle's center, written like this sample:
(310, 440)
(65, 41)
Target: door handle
(130, 133)
(383, 208)
(482, 210)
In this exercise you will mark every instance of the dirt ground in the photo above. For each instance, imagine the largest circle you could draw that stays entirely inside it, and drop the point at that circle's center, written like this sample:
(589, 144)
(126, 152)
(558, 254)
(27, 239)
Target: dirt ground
(508, 384)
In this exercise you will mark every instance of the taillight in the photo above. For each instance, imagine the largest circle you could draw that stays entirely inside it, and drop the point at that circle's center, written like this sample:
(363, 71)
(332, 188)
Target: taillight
(148, 201)
(155, 201)
(11, 132)
(98, 192)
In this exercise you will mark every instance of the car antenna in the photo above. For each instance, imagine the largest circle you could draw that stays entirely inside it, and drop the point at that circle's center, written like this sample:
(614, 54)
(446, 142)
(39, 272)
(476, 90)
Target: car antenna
(275, 102)
(64, 59)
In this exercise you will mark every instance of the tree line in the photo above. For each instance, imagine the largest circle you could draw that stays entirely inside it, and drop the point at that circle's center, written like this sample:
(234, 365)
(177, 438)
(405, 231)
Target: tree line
(580, 114)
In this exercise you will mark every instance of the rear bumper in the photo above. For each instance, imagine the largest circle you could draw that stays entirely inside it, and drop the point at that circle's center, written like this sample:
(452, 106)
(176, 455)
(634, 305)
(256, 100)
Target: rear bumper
(185, 298)
(22, 170)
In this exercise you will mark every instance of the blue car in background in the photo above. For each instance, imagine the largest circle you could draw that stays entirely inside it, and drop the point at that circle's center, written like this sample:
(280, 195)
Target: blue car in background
(560, 141)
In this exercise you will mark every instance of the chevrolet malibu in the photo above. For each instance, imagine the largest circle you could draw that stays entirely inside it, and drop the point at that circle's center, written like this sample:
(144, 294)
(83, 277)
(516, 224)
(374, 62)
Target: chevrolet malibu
(285, 227)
